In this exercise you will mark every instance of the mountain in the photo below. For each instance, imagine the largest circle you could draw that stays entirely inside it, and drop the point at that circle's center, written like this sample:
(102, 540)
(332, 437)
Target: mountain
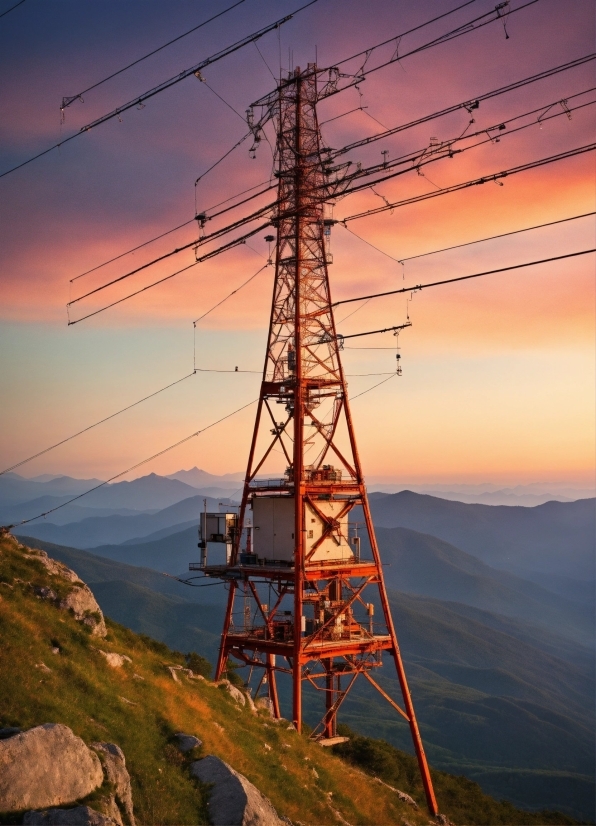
(498, 699)
(554, 538)
(170, 554)
(113, 530)
(422, 564)
(15, 488)
(143, 494)
(201, 479)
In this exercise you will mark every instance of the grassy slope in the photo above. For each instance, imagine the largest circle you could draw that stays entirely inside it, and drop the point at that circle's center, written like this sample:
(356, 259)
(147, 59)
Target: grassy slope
(492, 704)
(101, 703)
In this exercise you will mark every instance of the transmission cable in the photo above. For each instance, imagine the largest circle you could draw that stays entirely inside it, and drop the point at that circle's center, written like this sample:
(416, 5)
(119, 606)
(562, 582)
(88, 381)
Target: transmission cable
(406, 202)
(393, 375)
(445, 149)
(488, 95)
(469, 243)
(465, 28)
(418, 287)
(415, 158)
(134, 467)
(12, 8)
(66, 101)
(95, 424)
(518, 84)
(166, 85)
(230, 245)
(474, 182)
(368, 51)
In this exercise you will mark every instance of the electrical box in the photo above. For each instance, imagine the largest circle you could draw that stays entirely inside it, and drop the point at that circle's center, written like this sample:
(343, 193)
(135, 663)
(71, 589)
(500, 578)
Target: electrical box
(325, 534)
(219, 528)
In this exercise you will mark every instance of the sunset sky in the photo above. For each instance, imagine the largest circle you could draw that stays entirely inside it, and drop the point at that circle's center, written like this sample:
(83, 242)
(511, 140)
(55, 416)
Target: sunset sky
(498, 373)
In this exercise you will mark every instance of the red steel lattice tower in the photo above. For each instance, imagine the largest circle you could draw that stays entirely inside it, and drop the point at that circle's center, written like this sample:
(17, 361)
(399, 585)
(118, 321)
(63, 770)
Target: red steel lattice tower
(292, 536)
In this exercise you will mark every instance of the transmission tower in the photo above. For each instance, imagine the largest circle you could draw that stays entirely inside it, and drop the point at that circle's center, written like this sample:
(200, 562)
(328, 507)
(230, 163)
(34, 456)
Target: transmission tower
(298, 578)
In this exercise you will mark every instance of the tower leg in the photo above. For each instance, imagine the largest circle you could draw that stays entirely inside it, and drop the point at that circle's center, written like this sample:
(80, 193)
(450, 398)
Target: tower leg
(401, 675)
(329, 699)
(223, 649)
(273, 687)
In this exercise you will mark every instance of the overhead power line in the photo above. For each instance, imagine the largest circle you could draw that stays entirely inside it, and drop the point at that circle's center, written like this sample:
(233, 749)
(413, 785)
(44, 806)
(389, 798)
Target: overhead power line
(580, 150)
(66, 101)
(415, 160)
(170, 231)
(466, 28)
(518, 84)
(448, 148)
(95, 424)
(469, 243)
(333, 88)
(368, 51)
(387, 206)
(235, 243)
(166, 84)
(134, 467)
(417, 287)
(12, 8)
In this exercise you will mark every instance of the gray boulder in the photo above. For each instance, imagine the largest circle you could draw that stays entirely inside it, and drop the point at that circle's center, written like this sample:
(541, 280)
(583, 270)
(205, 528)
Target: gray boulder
(79, 816)
(187, 742)
(234, 800)
(46, 766)
(116, 773)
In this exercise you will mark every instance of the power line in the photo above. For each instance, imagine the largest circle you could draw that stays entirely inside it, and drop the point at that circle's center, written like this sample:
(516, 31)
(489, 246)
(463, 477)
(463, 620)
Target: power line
(260, 372)
(417, 287)
(12, 8)
(388, 206)
(373, 387)
(95, 424)
(469, 243)
(212, 254)
(68, 100)
(180, 226)
(367, 52)
(165, 85)
(465, 28)
(134, 467)
(478, 99)
(395, 329)
(445, 149)
(475, 182)
(134, 249)
(196, 243)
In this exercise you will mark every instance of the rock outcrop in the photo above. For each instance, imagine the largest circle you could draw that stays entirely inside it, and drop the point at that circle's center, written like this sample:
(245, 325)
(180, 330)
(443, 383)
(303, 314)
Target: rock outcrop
(234, 800)
(116, 773)
(115, 660)
(78, 816)
(79, 600)
(46, 766)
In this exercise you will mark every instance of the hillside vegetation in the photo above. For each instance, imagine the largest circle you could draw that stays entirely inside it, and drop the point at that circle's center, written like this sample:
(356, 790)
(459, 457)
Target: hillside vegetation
(52, 671)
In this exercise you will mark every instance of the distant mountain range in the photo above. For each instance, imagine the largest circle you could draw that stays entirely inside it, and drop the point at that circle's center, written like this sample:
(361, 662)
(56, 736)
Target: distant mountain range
(116, 529)
(555, 538)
